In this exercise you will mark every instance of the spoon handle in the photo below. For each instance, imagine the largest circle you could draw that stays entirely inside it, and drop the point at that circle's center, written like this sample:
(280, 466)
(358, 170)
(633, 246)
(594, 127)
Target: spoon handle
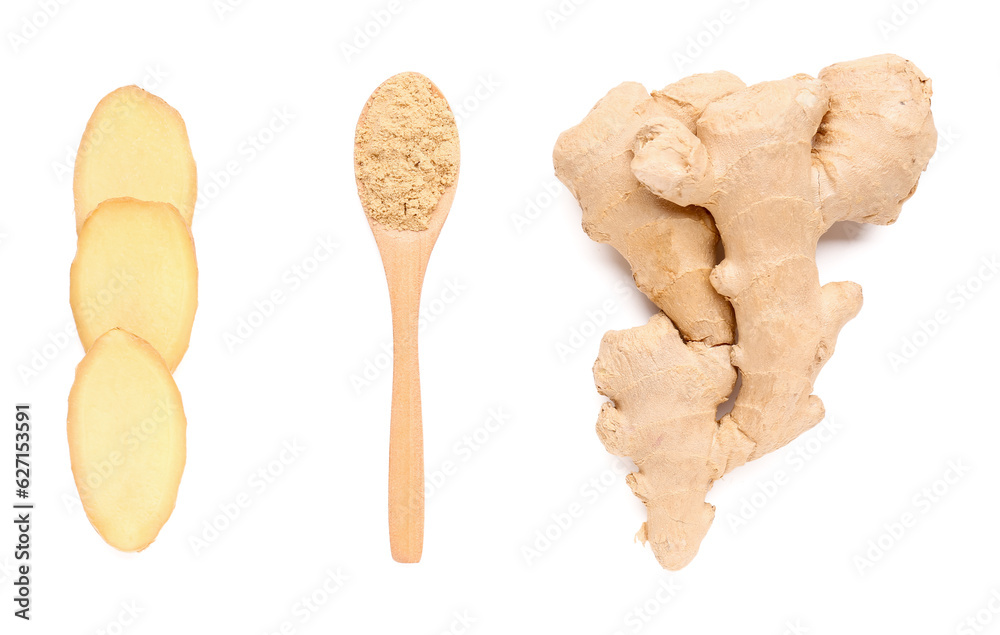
(406, 451)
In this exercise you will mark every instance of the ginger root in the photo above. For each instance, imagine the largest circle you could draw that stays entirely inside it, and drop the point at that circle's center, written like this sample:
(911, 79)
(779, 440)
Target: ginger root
(664, 395)
(775, 164)
(670, 247)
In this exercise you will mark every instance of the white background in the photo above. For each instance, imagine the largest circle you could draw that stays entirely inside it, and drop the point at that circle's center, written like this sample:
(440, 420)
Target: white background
(526, 279)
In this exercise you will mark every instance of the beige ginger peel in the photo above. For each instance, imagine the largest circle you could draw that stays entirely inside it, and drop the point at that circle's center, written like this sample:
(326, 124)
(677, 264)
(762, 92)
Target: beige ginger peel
(670, 247)
(775, 164)
(405, 152)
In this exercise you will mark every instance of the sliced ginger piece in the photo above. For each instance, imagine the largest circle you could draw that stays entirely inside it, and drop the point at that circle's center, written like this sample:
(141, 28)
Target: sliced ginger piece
(126, 430)
(135, 269)
(134, 145)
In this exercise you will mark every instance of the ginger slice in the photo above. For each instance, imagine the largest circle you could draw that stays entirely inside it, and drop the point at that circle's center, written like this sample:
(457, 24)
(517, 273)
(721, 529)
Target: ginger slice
(134, 145)
(776, 164)
(670, 248)
(135, 269)
(126, 430)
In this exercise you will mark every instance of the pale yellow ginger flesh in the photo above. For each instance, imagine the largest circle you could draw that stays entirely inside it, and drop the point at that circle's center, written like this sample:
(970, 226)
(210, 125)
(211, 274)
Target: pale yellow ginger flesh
(406, 152)
(670, 248)
(135, 269)
(126, 430)
(134, 145)
(776, 164)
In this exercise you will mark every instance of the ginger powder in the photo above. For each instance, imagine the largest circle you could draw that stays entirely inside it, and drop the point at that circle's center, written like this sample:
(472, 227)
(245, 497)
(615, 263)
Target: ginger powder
(405, 152)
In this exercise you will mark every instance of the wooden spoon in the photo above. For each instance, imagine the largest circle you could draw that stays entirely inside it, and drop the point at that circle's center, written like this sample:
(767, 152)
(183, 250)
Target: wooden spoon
(405, 254)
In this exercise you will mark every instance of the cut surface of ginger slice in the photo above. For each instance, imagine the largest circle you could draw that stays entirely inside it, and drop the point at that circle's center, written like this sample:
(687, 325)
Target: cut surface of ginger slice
(126, 430)
(135, 145)
(135, 268)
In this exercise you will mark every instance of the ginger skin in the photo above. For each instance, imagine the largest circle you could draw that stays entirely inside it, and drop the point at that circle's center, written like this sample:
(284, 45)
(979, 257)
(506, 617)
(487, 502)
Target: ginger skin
(775, 164)
(848, 146)
(664, 394)
(671, 248)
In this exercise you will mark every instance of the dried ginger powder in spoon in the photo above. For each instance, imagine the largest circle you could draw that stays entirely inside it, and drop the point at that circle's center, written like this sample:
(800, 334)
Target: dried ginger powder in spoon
(405, 152)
